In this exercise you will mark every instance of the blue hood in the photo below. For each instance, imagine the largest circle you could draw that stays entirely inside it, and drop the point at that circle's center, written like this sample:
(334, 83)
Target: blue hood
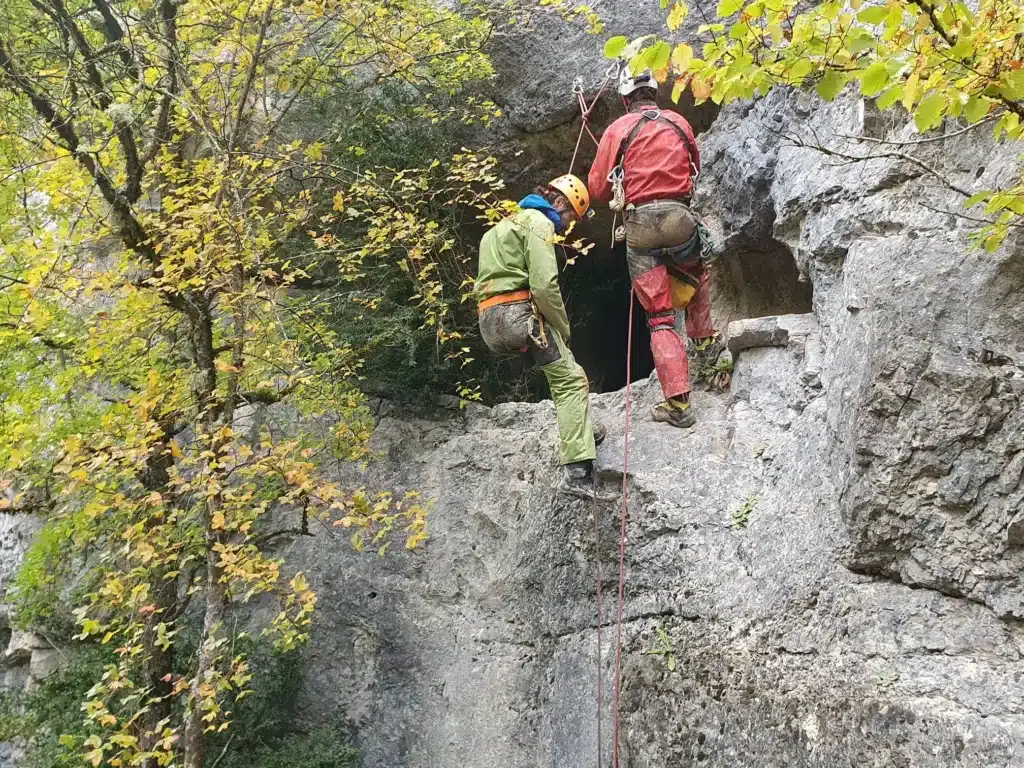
(538, 203)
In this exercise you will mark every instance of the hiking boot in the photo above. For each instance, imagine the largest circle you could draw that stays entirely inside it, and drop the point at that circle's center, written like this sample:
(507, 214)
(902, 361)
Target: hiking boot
(675, 412)
(600, 433)
(578, 480)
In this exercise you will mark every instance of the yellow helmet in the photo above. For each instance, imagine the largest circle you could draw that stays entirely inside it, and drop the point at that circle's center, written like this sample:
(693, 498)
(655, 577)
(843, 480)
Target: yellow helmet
(575, 191)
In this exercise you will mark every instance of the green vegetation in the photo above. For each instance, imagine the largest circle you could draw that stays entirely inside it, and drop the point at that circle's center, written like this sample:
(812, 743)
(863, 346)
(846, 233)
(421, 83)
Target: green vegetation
(741, 516)
(932, 59)
(48, 718)
(665, 648)
(45, 719)
(160, 223)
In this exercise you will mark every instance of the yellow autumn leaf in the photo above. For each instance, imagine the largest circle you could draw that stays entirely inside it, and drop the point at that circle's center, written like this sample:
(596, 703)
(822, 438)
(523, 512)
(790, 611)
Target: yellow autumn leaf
(701, 89)
(677, 15)
(682, 55)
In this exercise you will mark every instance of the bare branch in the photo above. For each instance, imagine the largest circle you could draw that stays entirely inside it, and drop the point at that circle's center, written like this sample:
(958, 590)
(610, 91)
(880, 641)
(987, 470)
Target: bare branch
(893, 154)
(115, 35)
(169, 30)
(56, 11)
(250, 76)
(912, 142)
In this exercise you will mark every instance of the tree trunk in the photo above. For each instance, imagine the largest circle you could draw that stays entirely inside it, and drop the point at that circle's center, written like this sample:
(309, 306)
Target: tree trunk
(159, 662)
(194, 741)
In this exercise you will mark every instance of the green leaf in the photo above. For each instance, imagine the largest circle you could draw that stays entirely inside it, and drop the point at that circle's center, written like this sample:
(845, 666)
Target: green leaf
(977, 197)
(964, 47)
(977, 108)
(860, 40)
(890, 97)
(874, 79)
(727, 8)
(659, 54)
(929, 112)
(873, 15)
(993, 241)
(831, 85)
(800, 70)
(1014, 87)
(615, 46)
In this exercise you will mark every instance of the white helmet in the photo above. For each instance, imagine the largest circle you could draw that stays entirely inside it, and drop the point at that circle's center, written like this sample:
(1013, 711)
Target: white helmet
(628, 83)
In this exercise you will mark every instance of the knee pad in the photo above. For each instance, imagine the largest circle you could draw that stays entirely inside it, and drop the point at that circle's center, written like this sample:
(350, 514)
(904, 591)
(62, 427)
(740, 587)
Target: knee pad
(660, 321)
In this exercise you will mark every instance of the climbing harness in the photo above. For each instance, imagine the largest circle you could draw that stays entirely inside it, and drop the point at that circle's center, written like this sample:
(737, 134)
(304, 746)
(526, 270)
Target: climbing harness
(617, 176)
(537, 333)
(511, 297)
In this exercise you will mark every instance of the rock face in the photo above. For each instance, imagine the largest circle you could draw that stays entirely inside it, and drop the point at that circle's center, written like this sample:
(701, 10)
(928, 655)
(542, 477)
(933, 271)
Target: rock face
(833, 552)
(923, 334)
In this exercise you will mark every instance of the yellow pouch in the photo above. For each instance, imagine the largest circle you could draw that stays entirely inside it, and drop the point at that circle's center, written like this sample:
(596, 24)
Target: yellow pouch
(681, 291)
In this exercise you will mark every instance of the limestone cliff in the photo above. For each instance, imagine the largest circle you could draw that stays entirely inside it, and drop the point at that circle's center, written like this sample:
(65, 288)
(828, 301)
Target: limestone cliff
(866, 614)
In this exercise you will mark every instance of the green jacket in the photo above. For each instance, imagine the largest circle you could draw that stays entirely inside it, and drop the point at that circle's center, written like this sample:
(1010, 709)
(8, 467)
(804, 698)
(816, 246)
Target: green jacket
(519, 253)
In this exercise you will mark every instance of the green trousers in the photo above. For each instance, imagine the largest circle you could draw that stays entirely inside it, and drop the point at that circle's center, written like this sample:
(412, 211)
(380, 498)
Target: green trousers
(570, 391)
(506, 330)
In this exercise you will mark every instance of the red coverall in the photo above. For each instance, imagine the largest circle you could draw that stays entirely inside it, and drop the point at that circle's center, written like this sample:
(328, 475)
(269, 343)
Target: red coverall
(657, 168)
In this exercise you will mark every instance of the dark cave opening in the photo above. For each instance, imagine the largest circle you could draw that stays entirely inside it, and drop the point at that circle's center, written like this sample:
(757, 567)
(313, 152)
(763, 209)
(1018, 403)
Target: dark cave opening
(596, 292)
(758, 280)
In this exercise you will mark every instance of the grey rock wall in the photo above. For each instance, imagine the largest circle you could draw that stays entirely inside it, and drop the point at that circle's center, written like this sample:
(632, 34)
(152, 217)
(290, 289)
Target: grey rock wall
(865, 614)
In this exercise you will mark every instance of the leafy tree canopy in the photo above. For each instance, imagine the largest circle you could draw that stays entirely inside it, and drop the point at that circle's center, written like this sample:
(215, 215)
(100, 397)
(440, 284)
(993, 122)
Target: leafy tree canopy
(937, 59)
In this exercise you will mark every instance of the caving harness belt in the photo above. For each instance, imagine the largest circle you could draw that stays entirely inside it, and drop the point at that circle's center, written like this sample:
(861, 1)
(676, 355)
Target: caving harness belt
(538, 335)
(617, 176)
(512, 297)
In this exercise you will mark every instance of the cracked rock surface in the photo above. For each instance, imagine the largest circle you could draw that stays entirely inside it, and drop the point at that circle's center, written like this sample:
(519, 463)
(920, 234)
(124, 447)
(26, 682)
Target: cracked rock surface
(833, 552)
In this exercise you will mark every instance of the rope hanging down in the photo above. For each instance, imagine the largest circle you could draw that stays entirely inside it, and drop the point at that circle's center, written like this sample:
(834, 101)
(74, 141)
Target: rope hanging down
(622, 540)
(585, 110)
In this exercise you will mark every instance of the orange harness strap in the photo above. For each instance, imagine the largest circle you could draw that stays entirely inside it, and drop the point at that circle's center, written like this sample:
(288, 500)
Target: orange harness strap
(504, 298)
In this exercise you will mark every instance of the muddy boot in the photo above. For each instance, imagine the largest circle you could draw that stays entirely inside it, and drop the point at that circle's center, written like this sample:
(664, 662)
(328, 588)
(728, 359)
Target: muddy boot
(674, 411)
(578, 480)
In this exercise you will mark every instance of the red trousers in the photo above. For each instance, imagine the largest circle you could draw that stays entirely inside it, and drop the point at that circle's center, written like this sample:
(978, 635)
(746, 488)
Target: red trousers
(652, 226)
(668, 349)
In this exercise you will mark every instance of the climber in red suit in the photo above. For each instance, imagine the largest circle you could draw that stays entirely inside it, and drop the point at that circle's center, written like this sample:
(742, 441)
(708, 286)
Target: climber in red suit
(655, 153)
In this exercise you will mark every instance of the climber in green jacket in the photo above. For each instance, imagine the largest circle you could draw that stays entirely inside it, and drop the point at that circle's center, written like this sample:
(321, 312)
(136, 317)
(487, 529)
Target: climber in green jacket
(521, 310)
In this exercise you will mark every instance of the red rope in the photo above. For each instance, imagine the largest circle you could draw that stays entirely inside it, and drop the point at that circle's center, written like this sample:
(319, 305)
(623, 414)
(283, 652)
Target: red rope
(600, 618)
(622, 538)
(585, 110)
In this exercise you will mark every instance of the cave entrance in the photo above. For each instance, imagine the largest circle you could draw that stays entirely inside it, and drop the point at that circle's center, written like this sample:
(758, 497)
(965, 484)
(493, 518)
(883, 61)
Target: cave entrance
(755, 280)
(596, 292)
